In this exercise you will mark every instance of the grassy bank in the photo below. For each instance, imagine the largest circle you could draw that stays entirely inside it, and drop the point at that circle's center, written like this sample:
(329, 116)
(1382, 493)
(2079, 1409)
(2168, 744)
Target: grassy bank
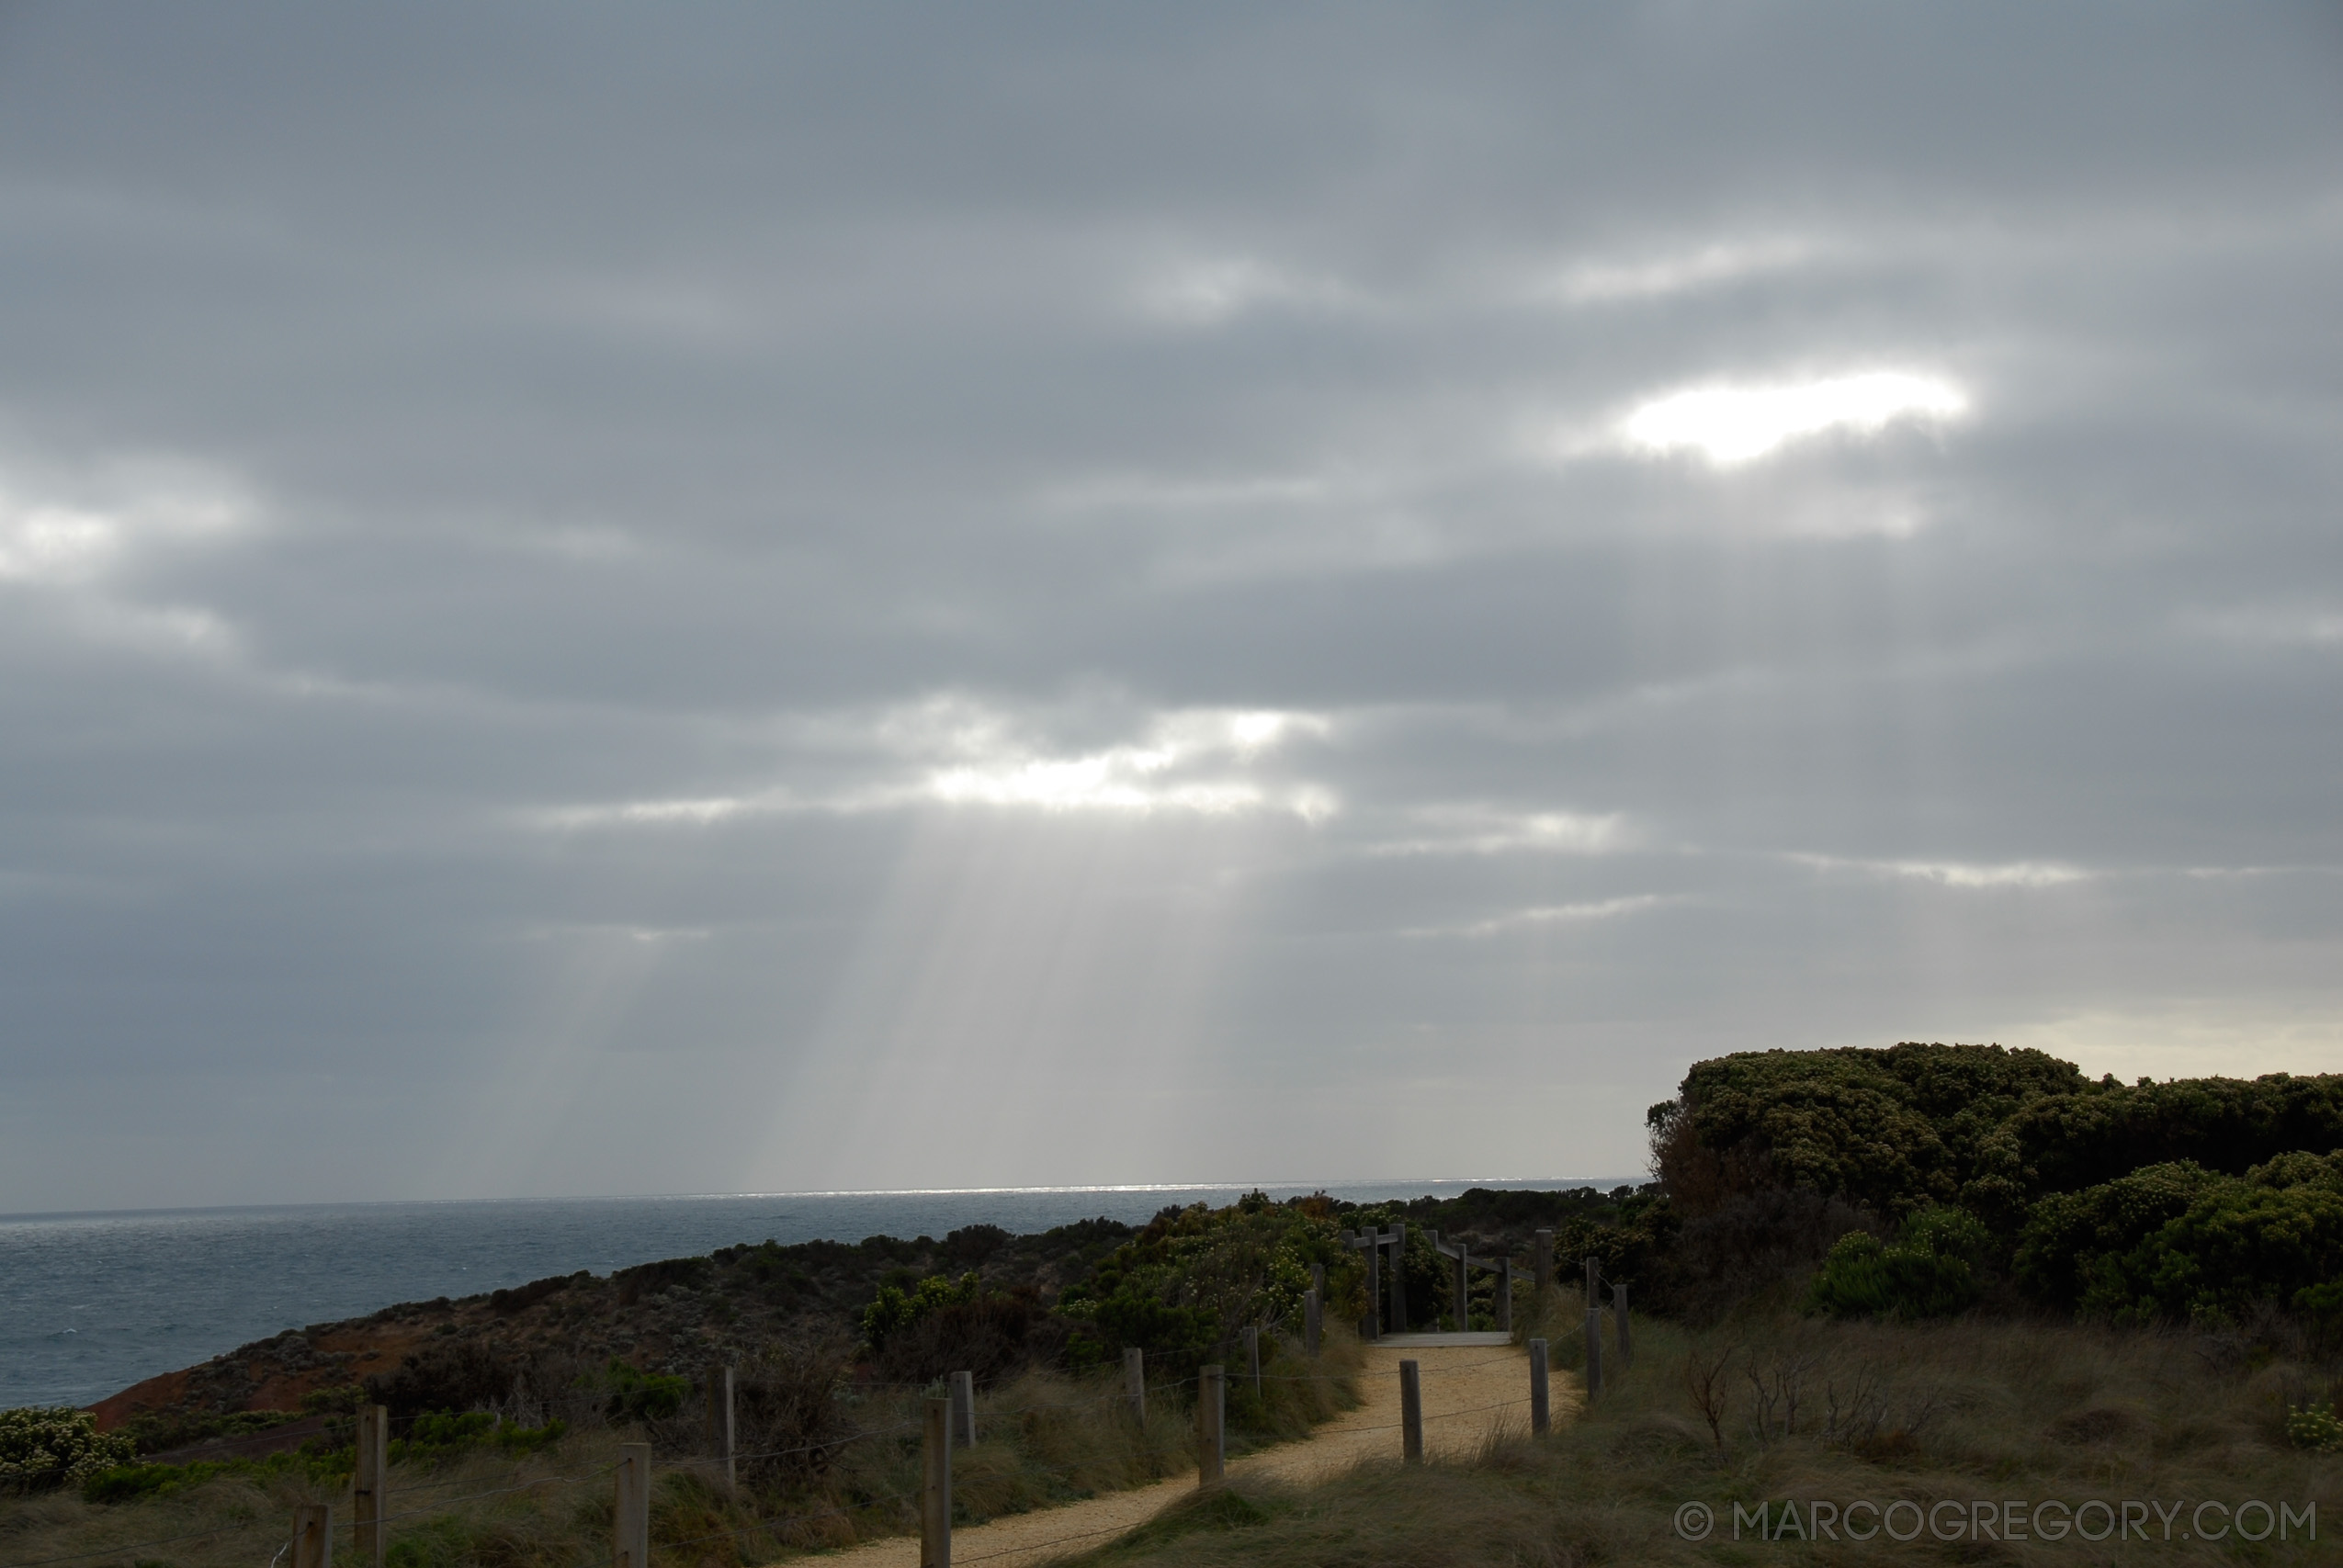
(1044, 1438)
(1775, 1408)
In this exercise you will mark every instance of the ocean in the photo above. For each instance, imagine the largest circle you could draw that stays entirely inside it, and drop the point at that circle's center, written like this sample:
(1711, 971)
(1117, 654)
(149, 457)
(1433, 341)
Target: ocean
(92, 1302)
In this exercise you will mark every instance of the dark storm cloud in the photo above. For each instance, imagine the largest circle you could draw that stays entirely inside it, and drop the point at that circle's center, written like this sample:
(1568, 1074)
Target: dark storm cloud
(812, 598)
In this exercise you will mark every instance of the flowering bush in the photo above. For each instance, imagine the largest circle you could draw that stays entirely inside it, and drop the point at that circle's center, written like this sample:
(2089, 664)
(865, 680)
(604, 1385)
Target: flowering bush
(2315, 1426)
(56, 1446)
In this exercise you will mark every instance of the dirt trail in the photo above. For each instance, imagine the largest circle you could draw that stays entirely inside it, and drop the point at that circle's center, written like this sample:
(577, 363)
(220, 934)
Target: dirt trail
(1468, 1393)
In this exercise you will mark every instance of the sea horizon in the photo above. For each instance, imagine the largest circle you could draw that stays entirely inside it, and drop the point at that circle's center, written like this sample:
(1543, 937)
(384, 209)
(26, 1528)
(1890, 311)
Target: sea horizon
(1537, 1183)
(93, 1301)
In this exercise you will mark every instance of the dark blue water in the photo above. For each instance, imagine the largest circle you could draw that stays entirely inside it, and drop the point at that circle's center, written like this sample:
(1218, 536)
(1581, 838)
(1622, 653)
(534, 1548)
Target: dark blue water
(91, 1303)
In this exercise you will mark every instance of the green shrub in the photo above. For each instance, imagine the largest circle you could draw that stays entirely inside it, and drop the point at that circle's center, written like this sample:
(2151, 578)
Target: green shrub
(894, 1310)
(154, 1431)
(2315, 1426)
(343, 1399)
(635, 1396)
(2068, 1236)
(2240, 1242)
(1193, 1276)
(441, 1434)
(2179, 1242)
(127, 1482)
(1991, 1130)
(1889, 1130)
(1931, 1269)
(45, 1445)
(435, 1436)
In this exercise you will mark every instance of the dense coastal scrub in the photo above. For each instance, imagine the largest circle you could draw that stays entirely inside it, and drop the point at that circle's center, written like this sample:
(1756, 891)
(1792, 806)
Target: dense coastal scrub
(2209, 1200)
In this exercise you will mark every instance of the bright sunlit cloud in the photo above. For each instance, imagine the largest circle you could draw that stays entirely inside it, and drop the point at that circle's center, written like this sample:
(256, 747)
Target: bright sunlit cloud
(1729, 425)
(951, 753)
(1189, 762)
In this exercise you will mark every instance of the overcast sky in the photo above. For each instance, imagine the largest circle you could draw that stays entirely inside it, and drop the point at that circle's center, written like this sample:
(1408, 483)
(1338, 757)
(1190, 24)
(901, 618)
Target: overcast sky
(691, 599)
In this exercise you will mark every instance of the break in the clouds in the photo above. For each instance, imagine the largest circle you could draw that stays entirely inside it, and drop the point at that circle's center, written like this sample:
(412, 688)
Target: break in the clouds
(1736, 425)
(605, 600)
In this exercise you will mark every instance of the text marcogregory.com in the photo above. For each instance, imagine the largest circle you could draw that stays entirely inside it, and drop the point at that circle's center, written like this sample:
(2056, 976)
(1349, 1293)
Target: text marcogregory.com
(2094, 1520)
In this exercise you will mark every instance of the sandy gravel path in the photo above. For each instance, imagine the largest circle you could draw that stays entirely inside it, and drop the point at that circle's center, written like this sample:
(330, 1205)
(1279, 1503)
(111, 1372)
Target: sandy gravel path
(1469, 1392)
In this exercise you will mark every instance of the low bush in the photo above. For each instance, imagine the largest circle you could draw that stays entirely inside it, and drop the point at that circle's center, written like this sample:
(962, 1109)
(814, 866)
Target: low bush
(1186, 1284)
(636, 1396)
(1932, 1269)
(436, 1436)
(47, 1446)
(2178, 1242)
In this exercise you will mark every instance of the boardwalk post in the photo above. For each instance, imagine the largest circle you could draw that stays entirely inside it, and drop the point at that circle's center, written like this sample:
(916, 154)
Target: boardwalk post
(720, 1427)
(1619, 1325)
(1399, 1318)
(964, 1410)
(1410, 1414)
(1134, 1381)
(1594, 1351)
(1463, 1286)
(935, 1485)
(313, 1536)
(1373, 1286)
(1212, 1426)
(1505, 1272)
(1252, 1357)
(1541, 1412)
(367, 1503)
(630, 1526)
(1309, 1322)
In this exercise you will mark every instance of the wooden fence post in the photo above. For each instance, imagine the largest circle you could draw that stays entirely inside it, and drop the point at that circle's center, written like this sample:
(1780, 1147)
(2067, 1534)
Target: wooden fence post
(1212, 1426)
(722, 1430)
(1410, 1414)
(1619, 1325)
(964, 1410)
(1252, 1357)
(630, 1526)
(1372, 1325)
(1541, 1411)
(1505, 1273)
(368, 1504)
(1541, 1265)
(1134, 1381)
(1310, 1323)
(1399, 1318)
(1463, 1286)
(936, 1490)
(313, 1536)
(1594, 1284)
(1594, 1351)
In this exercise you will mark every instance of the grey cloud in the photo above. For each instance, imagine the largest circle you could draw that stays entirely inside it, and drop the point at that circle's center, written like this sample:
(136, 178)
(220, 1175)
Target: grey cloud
(661, 453)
